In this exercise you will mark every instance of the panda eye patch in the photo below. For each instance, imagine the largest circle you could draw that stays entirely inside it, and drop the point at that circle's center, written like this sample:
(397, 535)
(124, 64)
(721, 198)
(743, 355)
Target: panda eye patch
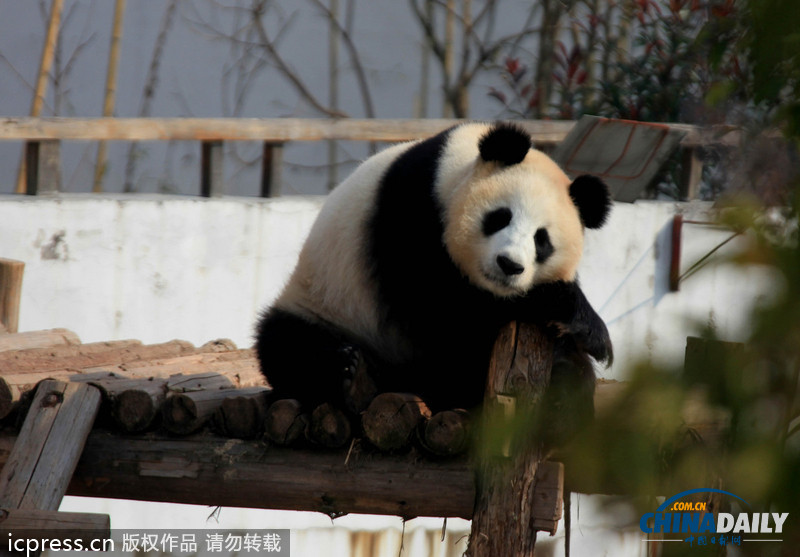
(544, 248)
(496, 220)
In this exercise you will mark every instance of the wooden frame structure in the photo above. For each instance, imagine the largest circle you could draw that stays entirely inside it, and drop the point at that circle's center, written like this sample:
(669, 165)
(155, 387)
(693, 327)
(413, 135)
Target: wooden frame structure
(42, 137)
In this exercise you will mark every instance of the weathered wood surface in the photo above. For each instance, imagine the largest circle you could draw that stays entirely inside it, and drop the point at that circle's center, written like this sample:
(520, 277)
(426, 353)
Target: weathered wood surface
(260, 129)
(49, 444)
(504, 522)
(208, 470)
(329, 427)
(290, 129)
(285, 423)
(11, 273)
(109, 364)
(391, 420)
(80, 356)
(242, 414)
(38, 339)
(26, 523)
(194, 399)
(446, 433)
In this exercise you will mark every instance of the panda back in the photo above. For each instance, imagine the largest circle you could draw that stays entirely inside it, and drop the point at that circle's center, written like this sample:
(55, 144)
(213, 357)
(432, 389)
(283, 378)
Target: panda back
(332, 282)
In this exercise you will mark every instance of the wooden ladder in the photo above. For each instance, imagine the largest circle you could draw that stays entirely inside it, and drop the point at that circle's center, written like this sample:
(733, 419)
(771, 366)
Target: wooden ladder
(40, 467)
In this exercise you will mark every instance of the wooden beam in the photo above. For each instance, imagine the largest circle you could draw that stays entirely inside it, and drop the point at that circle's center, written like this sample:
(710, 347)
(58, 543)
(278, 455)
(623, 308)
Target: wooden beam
(17, 524)
(10, 292)
(38, 339)
(278, 130)
(543, 132)
(206, 470)
(50, 442)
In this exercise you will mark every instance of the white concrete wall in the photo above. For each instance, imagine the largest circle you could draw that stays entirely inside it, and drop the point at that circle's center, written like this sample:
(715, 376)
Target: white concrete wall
(153, 268)
(157, 268)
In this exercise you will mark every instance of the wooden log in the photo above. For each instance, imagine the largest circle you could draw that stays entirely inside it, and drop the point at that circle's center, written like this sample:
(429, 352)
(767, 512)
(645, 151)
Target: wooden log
(135, 403)
(19, 524)
(38, 339)
(22, 370)
(206, 470)
(447, 433)
(242, 414)
(239, 366)
(82, 356)
(51, 440)
(329, 427)
(392, 418)
(285, 423)
(193, 399)
(504, 521)
(10, 291)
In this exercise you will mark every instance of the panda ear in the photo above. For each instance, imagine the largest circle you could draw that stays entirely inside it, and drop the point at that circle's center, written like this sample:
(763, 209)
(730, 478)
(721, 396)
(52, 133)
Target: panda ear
(505, 143)
(592, 198)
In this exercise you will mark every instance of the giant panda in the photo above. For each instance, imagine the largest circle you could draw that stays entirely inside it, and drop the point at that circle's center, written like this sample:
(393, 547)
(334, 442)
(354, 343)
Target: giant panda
(417, 260)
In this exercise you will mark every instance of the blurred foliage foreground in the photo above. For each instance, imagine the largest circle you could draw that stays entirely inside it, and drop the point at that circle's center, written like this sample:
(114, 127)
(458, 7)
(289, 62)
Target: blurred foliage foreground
(638, 446)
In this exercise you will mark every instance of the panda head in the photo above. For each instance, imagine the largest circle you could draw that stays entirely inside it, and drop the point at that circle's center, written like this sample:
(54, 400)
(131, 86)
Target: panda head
(513, 219)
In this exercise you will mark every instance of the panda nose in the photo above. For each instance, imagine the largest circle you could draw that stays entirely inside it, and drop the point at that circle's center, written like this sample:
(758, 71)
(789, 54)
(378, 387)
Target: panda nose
(509, 266)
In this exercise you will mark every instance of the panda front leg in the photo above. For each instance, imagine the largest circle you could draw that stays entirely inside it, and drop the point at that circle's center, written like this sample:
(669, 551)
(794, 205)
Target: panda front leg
(564, 305)
(308, 362)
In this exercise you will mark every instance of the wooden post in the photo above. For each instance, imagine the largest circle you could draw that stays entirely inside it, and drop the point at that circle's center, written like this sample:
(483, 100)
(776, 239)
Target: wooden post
(43, 166)
(509, 454)
(48, 52)
(691, 173)
(10, 290)
(212, 181)
(271, 166)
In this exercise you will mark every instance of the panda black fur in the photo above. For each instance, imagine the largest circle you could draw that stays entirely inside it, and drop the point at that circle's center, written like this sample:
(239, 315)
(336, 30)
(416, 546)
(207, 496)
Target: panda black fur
(399, 270)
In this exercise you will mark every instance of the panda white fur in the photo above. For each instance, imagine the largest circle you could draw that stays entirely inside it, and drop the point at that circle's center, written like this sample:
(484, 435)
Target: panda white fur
(418, 259)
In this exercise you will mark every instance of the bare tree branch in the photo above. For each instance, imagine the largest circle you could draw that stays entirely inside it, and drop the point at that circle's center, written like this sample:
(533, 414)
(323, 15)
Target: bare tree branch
(257, 11)
(361, 76)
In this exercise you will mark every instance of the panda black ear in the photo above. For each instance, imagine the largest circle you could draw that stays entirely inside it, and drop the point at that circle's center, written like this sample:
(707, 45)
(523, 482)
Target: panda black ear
(592, 198)
(505, 143)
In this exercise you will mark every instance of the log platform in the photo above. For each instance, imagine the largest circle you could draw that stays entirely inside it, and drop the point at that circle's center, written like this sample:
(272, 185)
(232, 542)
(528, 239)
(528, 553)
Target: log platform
(197, 424)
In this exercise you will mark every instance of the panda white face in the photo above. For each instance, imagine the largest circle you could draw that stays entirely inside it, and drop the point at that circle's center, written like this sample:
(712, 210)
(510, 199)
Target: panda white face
(515, 248)
(510, 229)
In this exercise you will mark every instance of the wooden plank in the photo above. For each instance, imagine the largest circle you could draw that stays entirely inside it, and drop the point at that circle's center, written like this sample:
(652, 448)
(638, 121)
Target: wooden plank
(38, 339)
(11, 272)
(544, 132)
(278, 130)
(23, 523)
(43, 166)
(50, 442)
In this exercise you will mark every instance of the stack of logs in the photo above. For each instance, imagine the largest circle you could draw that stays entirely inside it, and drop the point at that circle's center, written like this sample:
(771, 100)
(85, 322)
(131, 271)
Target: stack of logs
(184, 389)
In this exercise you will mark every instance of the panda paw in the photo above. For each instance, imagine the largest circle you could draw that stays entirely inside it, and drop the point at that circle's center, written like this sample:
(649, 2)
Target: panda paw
(358, 387)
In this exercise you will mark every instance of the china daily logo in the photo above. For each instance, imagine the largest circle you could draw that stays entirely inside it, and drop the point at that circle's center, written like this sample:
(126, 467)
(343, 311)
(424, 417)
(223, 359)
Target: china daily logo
(706, 528)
